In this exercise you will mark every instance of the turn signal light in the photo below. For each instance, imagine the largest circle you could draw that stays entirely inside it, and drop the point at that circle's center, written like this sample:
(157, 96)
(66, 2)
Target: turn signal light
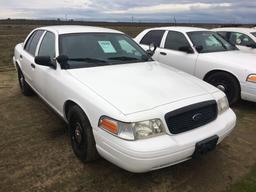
(109, 125)
(252, 78)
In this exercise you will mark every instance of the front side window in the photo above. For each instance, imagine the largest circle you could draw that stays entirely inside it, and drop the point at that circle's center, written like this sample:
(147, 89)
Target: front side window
(207, 42)
(154, 36)
(254, 34)
(32, 42)
(96, 49)
(241, 39)
(47, 47)
(176, 41)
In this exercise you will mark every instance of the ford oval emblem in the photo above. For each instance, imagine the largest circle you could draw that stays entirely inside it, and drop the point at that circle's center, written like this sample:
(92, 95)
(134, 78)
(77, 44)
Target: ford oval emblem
(197, 117)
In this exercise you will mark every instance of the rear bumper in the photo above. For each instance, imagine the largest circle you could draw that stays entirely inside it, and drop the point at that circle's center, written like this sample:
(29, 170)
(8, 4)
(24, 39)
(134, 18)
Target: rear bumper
(248, 91)
(162, 151)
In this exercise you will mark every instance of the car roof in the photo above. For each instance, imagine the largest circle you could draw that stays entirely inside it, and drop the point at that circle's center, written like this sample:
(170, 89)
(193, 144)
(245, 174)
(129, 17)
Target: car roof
(180, 29)
(236, 29)
(66, 29)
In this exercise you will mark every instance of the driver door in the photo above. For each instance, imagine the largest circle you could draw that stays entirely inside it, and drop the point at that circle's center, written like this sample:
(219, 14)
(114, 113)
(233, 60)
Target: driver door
(43, 74)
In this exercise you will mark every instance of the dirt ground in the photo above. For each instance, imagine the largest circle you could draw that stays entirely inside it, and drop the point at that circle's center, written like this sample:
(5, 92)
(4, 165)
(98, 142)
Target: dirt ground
(35, 153)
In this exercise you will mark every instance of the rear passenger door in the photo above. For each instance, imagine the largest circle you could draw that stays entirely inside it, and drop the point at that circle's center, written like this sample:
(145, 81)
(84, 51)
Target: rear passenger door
(28, 56)
(172, 52)
(155, 37)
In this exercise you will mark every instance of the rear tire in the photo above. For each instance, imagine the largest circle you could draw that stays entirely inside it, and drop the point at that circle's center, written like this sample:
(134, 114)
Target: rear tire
(24, 86)
(226, 83)
(81, 135)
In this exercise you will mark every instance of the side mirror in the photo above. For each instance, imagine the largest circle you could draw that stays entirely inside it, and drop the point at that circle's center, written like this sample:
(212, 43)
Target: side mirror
(199, 48)
(152, 49)
(63, 61)
(45, 61)
(186, 49)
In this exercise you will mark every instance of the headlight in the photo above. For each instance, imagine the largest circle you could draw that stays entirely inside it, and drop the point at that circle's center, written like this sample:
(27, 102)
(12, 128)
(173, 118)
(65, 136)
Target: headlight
(132, 131)
(223, 104)
(251, 78)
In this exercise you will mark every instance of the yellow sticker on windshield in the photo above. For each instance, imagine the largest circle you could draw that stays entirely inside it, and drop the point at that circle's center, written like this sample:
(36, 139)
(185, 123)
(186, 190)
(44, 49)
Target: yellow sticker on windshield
(107, 46)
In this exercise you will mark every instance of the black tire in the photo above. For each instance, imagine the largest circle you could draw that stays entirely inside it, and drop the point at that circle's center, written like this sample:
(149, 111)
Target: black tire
(24, 86)
(81, 135)
(227, 83)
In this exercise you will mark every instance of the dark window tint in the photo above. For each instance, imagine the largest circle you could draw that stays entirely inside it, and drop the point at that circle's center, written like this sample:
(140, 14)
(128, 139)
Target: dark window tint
(240, 39)
(153, 37)
(33, 41)
(47, 47)
(224, 35)
(28, 42)
(175, 41)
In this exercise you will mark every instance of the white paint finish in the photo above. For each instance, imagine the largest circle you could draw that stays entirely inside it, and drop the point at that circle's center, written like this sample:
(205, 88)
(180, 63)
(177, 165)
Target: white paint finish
(238, 63)
(130, 93)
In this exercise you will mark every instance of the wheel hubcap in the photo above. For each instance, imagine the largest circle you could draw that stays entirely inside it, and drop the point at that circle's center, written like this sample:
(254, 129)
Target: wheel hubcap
(221, 87)
(78, 133)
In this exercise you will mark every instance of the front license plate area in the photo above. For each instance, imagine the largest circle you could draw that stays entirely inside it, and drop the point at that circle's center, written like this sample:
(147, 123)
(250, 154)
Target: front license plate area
(205, 146)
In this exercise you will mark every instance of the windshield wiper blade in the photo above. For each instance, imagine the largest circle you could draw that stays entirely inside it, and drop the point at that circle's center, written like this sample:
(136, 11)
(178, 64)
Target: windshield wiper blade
(123, 58)
(90, 60)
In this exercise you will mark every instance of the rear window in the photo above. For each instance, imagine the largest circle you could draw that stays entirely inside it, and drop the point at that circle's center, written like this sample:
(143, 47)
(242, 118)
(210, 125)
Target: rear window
(154, 36)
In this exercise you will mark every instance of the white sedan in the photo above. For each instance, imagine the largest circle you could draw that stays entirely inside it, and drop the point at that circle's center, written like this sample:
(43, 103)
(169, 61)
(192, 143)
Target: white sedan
(206, 55)
(137, 113)
(243, 38)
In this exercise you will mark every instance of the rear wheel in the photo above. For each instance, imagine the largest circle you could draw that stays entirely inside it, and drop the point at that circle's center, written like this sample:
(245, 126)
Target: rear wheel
(226, 83)
(25, 88)
(81, 135)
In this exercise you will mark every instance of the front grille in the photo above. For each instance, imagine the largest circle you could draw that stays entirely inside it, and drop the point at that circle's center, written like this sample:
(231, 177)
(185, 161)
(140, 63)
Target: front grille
(191, 117)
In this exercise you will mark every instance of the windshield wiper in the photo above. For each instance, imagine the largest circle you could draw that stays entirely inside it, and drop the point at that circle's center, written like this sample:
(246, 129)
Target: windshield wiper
(123, 58)
(87, 59)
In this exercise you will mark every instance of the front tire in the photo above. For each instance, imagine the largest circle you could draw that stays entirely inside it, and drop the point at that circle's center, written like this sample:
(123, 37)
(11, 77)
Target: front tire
(81, 135)
(24, 86)
(226, 83)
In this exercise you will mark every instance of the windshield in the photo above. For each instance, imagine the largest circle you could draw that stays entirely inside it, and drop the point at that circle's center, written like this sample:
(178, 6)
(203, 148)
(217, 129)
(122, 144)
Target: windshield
(207, 42)
(97, 49)
(254, 34)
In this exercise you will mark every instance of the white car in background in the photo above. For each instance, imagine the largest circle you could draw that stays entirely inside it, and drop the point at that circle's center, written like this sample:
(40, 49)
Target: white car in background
(135, 112)
(243, 38)
(206, 55)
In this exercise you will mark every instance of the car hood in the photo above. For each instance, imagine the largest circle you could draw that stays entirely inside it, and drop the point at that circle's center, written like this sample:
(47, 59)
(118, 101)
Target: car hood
(140, 86)
(232, 58)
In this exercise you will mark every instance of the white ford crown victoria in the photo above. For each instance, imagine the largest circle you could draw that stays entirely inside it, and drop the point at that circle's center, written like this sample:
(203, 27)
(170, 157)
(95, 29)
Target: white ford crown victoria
(243, 38)
(137, 113)
(206, 55)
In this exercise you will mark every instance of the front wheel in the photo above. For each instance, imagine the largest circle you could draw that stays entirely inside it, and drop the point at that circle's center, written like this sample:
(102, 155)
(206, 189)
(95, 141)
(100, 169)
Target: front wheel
(226, 83)
(81, 135)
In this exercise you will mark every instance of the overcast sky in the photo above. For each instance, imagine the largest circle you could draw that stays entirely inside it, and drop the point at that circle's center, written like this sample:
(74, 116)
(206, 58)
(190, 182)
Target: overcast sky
(236, 11)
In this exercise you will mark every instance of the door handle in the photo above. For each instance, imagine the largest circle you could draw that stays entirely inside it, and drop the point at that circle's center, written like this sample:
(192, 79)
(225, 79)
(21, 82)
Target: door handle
(33, 66)
(21, 56)
(163, 53)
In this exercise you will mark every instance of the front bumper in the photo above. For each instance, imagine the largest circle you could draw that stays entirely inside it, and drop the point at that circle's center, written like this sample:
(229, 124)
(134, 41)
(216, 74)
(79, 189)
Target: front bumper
(248, 91)
(162, 151)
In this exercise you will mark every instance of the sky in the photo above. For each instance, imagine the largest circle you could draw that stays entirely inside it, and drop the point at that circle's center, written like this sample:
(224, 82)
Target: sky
(222, 11)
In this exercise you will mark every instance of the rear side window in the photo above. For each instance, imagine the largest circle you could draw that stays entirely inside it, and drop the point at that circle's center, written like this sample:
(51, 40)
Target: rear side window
(154, 36)
(47, 47)
(175, 41)
(32, 42)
